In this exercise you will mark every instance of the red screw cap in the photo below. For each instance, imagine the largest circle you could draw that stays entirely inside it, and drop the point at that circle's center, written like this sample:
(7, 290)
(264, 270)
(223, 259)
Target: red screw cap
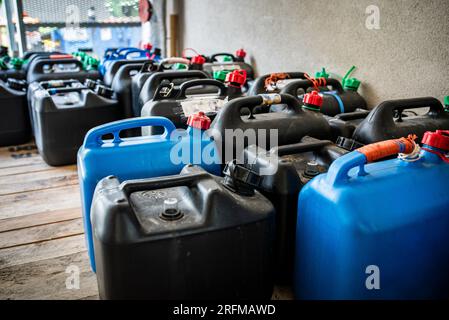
(313, 98)
(438, 139)
(148, 46)
(240, 53)
(198, 60)
(236, 77)
(199, 121)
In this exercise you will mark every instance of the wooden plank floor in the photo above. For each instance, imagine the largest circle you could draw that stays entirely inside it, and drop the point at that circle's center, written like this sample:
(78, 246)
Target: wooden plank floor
(41, 231)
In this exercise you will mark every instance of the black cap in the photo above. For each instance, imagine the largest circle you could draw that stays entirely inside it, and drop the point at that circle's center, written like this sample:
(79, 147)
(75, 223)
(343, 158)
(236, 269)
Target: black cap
(91, 84)
(348, 144)
(104, 91)
(241, 179)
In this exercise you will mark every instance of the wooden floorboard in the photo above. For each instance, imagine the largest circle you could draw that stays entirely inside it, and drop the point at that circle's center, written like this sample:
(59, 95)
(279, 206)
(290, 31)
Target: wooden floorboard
(39, 219)
(41, 229)
(46, 279)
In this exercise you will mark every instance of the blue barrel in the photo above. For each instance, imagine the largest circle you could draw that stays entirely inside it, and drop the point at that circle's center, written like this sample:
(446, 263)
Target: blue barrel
(140, 157)
(378, 230)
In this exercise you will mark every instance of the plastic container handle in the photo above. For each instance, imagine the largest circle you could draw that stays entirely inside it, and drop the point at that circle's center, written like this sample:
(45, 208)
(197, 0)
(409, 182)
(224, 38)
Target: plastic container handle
(259, 84)
(338, 171)
(292, 87)
(213, 57)
(41, 63)
(172, 60)
(143, 53)
(352, 115)
(232, 109)
(201, 82)
(120, 51)
(66, 90)
(149, 66)
(94, 136)
(188, 180)
(384, 112)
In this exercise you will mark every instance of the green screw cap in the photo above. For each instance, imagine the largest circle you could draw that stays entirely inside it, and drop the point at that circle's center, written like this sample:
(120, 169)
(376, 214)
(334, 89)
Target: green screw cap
(446, 102)
(16, 63)
(322, 74)
(179, 66)
(227, 59)
(220, 75)
(352, 84)
(90, 63)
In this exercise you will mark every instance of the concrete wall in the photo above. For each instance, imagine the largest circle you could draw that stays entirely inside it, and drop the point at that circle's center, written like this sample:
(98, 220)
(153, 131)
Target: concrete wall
(408, 56)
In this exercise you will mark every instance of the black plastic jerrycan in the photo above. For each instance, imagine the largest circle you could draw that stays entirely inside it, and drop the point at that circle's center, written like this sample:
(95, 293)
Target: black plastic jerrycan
(58, 67)
(63, 116)
(46, 85)
(283, 171)
(138, 80)
(232, 130)
(385, 121)
(188, 236)
(335, 101)
(14, 119)
(122, 86)
(170, 79)
(274, 82)
(115, 66)
(30, 56)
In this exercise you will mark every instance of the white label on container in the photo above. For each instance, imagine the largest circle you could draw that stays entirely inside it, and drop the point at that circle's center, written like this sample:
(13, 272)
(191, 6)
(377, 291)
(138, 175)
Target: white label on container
(195, 105)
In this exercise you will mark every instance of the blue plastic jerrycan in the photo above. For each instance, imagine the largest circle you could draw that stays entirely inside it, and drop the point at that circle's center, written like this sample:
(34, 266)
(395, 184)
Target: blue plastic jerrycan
(128, 53)
(378, 230)
(141, 157)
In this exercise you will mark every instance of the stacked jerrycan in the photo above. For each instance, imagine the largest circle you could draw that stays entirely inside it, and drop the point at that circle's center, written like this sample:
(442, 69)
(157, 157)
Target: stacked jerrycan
(229, 62)
(386, 121)
(14, 118)
(170, 80)
(152, 156)
(377, 230)
(265, 129)
(180, 107)
(189, 236)
(62, 116)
